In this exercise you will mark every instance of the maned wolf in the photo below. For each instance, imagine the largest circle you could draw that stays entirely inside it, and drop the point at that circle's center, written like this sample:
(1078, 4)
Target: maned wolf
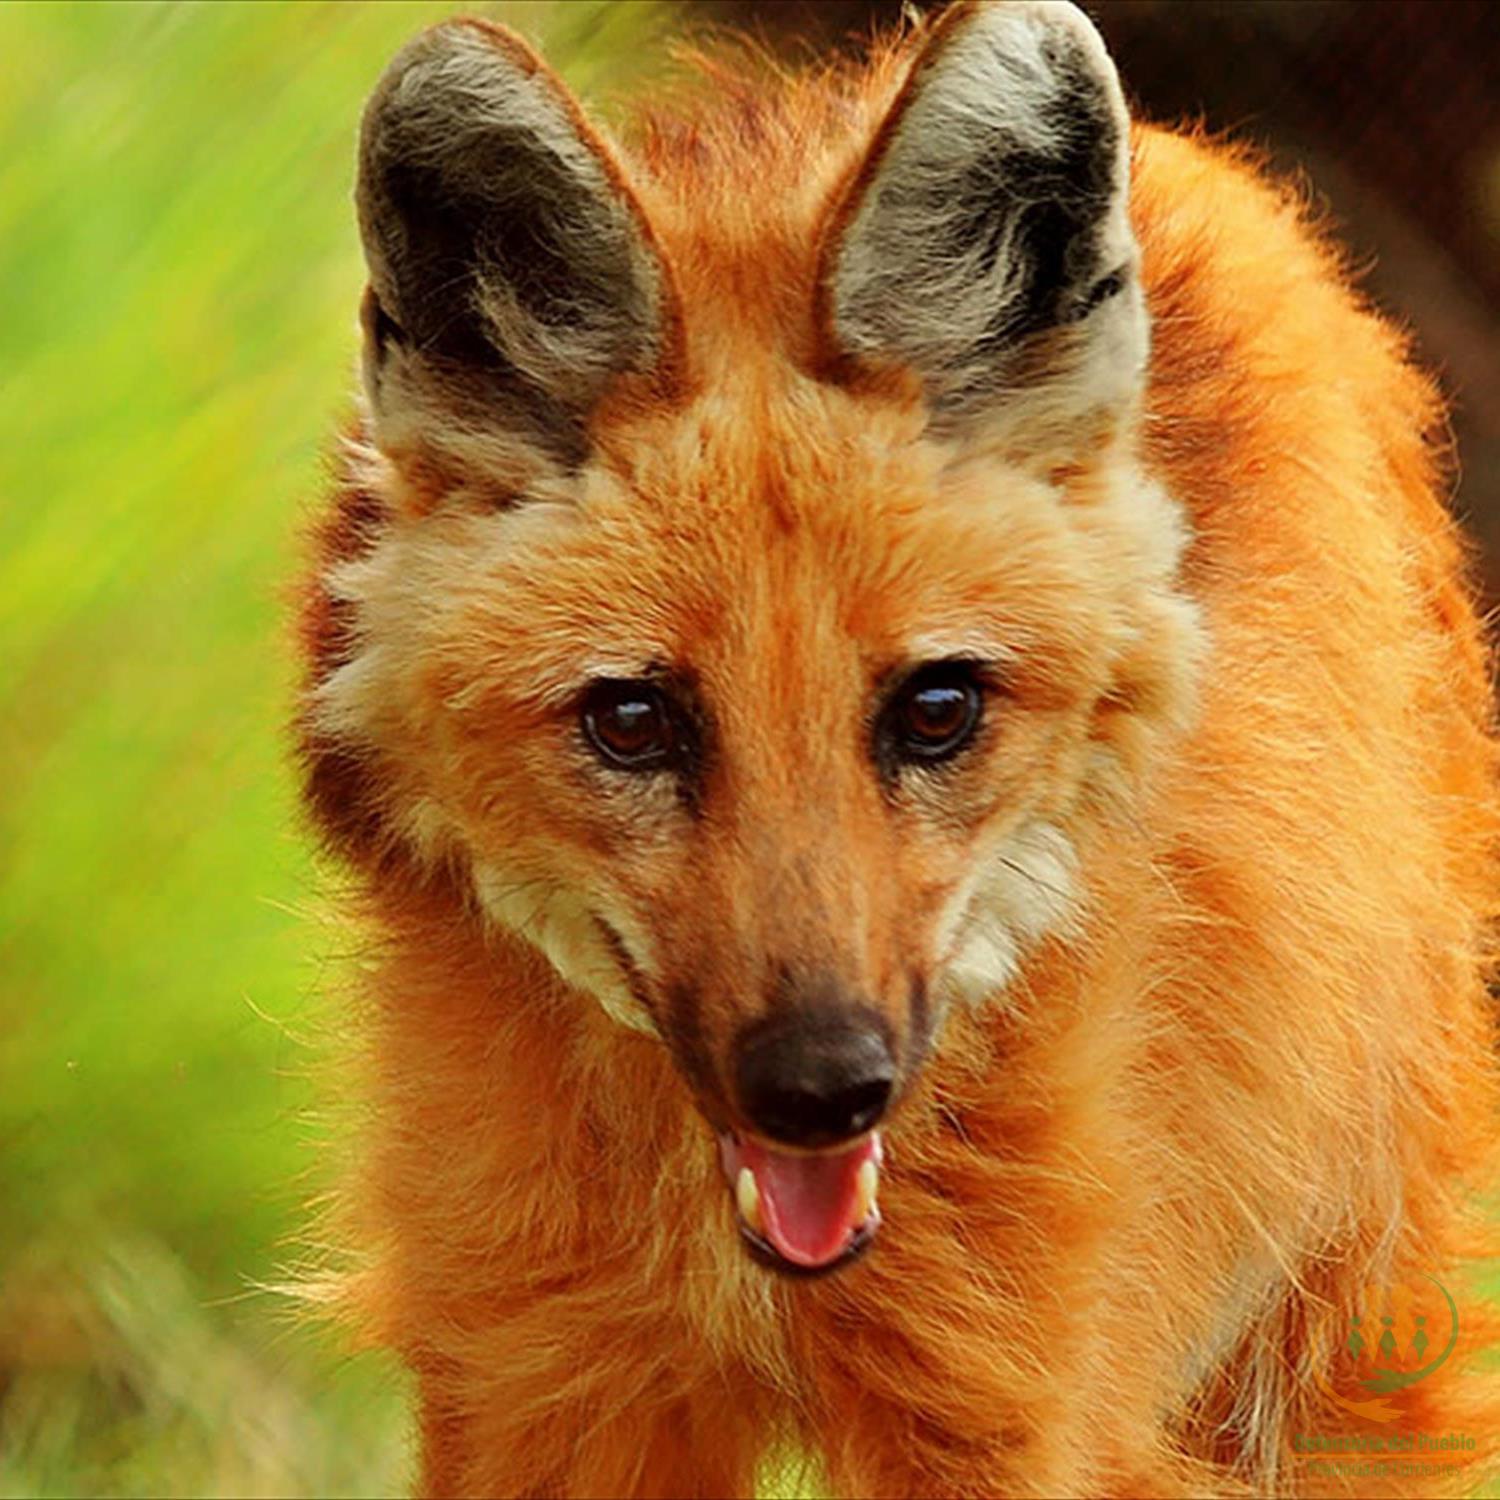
(890, 633)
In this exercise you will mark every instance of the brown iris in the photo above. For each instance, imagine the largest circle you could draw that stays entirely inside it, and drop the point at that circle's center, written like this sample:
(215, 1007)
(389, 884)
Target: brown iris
(934, 713)
(630, 724)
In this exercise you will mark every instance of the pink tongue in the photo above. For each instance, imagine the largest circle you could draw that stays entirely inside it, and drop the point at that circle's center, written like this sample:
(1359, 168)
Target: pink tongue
(807, 1201)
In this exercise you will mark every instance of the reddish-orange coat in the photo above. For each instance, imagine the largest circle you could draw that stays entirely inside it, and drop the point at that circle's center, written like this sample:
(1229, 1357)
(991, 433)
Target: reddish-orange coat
(1260, 1063)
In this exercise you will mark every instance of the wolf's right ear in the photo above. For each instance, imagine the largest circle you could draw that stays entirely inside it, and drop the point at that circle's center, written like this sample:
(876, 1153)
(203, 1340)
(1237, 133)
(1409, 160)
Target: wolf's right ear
(513, 276)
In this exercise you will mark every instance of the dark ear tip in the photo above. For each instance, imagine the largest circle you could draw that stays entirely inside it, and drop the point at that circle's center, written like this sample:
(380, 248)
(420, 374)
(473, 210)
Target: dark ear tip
(1065, 28)
(437, 72)
(465, 36)
(440, 51)
(463, 30)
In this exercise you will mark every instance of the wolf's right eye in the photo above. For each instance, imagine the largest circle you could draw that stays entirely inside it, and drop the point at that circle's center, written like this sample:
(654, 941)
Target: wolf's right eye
(630, 724)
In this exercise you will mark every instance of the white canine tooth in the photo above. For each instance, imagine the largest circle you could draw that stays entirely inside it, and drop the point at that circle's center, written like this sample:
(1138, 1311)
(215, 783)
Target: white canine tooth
(747, 1196)
(864, 1189)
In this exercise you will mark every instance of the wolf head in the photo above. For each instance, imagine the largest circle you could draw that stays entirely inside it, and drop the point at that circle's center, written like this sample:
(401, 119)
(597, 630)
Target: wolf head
(757, 598)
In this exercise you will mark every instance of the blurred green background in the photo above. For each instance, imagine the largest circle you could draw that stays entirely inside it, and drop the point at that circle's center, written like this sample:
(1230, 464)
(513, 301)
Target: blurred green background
(178, 280)
(179, 274)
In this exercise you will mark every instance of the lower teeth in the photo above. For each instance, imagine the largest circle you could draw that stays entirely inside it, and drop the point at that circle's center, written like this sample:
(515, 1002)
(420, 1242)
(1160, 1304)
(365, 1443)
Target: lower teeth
(747, 1198)
(865, 1185)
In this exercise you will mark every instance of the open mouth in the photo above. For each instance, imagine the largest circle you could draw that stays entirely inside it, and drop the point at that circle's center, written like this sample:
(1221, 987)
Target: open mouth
(804, 1212)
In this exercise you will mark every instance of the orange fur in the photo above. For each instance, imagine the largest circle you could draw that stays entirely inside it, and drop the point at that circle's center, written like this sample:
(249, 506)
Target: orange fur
(1252, 1074)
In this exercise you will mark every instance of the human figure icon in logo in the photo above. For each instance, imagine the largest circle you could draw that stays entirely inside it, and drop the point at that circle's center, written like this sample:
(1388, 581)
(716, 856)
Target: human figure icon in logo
(1356, 1341)
(1420, 1340)
(1388, 1340)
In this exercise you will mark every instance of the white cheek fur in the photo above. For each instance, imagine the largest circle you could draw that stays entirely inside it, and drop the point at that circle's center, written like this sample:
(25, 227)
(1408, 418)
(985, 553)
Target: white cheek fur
(558, 923)
(1024, 890)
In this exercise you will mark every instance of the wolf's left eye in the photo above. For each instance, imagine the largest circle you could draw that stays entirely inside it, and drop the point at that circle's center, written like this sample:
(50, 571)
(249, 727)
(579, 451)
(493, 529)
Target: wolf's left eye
(934, 713)
(630, 724)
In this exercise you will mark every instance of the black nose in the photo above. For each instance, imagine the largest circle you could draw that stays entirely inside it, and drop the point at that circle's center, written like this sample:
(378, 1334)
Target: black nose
(812, 1080)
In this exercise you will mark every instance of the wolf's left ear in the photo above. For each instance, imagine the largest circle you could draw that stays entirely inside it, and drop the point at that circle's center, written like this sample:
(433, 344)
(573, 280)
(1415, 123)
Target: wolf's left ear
(985, 241)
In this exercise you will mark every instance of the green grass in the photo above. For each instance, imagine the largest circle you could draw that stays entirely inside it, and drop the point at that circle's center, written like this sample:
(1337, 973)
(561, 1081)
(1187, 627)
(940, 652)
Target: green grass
(179, 274)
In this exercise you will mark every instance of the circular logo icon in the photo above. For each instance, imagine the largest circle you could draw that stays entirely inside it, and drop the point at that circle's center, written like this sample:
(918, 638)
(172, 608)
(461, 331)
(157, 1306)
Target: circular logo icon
(1397, 1336)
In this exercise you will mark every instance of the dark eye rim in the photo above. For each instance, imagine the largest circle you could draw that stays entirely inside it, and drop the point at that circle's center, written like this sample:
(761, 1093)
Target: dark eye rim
(902, 749)
(596, 698)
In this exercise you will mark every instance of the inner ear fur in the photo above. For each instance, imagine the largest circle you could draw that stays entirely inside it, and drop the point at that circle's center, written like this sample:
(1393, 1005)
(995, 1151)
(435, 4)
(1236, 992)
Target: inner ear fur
(513, 275)
(985, 241)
